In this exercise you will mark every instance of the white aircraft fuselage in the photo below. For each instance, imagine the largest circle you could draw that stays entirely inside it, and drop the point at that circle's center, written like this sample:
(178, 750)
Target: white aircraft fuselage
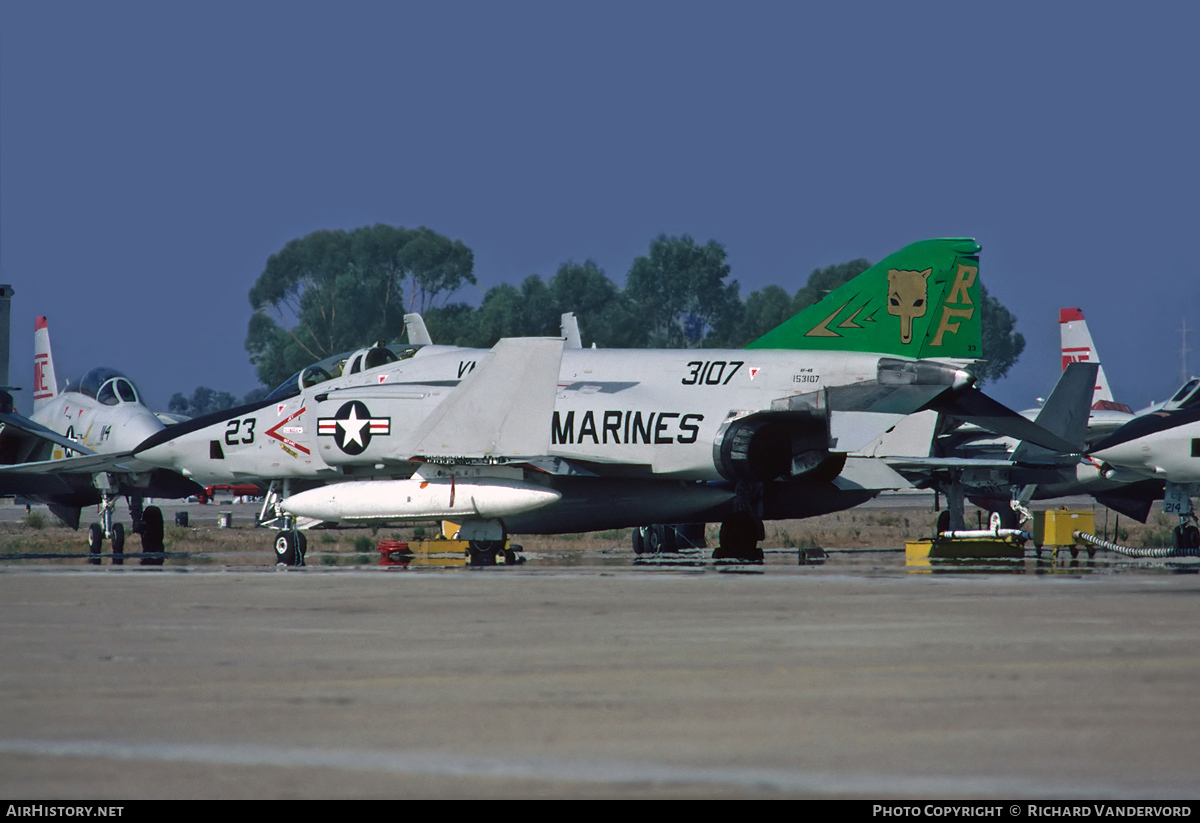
(1162, 445)
(640, 413)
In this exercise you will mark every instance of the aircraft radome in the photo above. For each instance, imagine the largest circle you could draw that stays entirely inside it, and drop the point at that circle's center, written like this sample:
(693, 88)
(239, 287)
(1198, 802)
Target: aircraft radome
(76, 450)
(534, 437)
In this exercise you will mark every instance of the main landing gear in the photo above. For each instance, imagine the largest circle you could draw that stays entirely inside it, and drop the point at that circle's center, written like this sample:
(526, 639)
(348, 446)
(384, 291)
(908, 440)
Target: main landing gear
(1177, 499)
(290, 543)
(666, 538)
(484, 552)
(1187, 536)
(153, 534)
(487, 542)
(739, 536)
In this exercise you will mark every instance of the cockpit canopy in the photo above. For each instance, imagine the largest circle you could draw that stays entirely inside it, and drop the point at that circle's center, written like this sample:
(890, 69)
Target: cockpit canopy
(341, 365)
(1187, 397)
(105, 385)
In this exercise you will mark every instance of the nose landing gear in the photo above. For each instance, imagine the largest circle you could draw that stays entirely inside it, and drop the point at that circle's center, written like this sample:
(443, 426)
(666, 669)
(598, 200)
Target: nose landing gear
(290, 547)
(108, 529)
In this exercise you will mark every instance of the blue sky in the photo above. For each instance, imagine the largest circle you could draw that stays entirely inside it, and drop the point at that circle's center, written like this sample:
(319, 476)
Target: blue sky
(153, 155)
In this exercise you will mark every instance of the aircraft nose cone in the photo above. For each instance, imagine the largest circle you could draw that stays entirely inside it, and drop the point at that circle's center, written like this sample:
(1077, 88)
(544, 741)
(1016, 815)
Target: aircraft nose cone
(1130, 454)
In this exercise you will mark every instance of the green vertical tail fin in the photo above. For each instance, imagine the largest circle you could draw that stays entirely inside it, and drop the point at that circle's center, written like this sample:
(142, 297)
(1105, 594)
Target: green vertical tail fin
(922, 301)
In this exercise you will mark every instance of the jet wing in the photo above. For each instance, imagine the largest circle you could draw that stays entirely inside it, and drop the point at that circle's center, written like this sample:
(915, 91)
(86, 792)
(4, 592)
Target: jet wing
(90, 463)
(503, 408)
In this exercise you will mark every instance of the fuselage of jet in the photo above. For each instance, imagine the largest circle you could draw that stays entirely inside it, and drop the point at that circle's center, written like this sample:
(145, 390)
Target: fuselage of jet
(101, 411)
(1163, 444)
(621, 412)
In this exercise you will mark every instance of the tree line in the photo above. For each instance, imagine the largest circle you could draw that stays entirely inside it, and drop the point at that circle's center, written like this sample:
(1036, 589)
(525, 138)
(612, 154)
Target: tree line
(335, 291)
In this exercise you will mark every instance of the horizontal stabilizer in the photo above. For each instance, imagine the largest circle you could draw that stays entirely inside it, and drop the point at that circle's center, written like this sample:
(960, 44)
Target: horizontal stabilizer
(973, 406)
(501, 409)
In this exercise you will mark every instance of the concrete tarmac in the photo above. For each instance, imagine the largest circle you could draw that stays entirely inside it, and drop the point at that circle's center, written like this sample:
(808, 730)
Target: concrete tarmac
(783, 681)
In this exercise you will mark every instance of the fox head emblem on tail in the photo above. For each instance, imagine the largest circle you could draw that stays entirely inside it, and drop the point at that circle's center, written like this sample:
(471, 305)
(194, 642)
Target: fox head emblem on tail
(907, 294)
(931, 287)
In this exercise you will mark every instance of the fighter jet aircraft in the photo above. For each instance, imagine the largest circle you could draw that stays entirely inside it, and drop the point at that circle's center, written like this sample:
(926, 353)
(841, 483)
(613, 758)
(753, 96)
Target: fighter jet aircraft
(1001, 475)
(1164, 445)
(76, 450)
(535, 437)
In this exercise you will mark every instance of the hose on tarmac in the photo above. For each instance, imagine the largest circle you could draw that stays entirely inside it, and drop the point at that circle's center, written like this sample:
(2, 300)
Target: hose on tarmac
(1132, 552)
(976, 534)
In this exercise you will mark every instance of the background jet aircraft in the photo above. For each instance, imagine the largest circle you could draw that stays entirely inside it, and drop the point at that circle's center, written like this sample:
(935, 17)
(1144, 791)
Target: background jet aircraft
(536, 437)
(1164, 445)
(1004, 481)
(77, 450)
(998, 474)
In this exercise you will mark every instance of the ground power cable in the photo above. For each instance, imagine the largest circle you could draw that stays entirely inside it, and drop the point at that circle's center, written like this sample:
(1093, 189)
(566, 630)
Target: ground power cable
(1128, 551)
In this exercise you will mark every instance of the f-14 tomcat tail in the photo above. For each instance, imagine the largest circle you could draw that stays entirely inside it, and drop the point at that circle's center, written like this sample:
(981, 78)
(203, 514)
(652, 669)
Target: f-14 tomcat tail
(922, 301)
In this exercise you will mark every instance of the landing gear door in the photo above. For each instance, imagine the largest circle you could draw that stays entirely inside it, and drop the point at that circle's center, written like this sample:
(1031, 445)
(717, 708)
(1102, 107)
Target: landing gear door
(1176, 499)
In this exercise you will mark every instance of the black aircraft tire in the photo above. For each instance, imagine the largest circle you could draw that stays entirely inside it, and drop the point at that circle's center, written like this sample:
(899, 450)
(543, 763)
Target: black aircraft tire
(153, 533)
(1191, 537)
(285, 549)
(669, 542)
(95, 543)
(483, 552)
(301, 546)
(691, 535)
(638, 536)
(943, 521)
(118, 544)
(739, 539)
(654, 537)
